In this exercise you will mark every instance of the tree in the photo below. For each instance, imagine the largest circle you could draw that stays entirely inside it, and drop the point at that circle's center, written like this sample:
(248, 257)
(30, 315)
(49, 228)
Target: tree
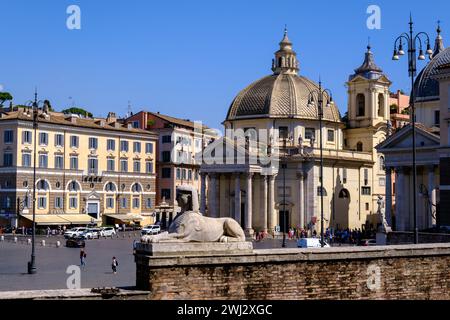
(76, 110)
(5, 96)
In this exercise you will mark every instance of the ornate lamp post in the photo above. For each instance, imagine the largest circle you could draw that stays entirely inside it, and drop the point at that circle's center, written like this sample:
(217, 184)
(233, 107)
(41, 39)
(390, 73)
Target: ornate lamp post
(412, 41)
(321, 95)
(284, 167)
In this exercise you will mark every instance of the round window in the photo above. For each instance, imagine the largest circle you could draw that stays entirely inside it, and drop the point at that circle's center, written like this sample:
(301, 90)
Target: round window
(149, 187)
(122, 186)
(58, 184)
(25, 184)
(92, 185)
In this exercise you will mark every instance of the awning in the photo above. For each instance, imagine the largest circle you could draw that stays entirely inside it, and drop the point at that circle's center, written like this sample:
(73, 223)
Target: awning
(125, 217)
(59, 219)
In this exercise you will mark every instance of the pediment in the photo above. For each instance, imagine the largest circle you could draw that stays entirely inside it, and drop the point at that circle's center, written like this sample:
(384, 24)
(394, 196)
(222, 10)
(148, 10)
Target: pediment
(403, 139)
(93, 196)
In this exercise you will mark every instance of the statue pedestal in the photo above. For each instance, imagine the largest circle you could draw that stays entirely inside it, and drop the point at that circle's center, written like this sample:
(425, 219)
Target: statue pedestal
(193, 248)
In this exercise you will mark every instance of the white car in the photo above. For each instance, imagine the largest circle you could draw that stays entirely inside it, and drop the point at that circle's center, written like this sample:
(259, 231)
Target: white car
(93, 233)
(310, 243)
(149, 230)
(107, 232)
(74, 232)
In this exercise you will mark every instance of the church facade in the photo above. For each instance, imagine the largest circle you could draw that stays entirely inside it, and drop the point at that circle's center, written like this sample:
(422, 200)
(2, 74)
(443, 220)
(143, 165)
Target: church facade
(278, 116)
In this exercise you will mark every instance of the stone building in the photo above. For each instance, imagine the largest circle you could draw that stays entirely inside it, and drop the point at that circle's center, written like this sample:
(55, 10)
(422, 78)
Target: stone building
(277, 116)
(89, 170)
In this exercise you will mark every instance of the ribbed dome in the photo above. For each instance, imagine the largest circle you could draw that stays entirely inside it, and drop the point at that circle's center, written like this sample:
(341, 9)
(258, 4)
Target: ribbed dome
(280, 96)
(427, 88)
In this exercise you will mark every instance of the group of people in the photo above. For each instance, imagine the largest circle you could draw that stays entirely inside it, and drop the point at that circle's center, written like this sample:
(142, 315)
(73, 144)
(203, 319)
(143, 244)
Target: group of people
(83, 255)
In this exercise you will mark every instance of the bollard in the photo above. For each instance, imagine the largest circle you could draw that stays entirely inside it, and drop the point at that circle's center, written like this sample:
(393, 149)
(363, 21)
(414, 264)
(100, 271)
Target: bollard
(43, 243)
(58, 244)
(123, 236)
(28, 241)
(2, 238)
(15, 239)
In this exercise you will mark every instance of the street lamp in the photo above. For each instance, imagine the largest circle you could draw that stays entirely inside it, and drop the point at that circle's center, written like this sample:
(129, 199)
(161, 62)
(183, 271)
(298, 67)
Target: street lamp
(284, 166)
(321, 95)
(412, 41)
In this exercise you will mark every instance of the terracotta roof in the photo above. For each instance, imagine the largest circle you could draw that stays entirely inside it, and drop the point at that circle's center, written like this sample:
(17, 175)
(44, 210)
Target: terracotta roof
(58, 118)
(176, 121)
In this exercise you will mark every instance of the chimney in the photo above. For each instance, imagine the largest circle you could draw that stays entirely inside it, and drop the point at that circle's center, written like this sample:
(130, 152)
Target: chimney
(129, 126)
(111, 117)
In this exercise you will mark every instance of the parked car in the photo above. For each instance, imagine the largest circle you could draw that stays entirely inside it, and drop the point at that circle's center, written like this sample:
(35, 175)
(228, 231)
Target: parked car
(74, 232)
(93, 233)
(311, 243)
(149, 230)
(75, 243)
(367, 242)
(108, 232)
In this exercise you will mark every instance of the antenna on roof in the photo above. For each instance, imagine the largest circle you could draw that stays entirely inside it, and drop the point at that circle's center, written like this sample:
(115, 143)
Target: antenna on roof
(129, 112)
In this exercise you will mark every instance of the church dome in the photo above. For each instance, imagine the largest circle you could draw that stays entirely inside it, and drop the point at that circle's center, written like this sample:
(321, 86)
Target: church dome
(284, 94)
(426, 87)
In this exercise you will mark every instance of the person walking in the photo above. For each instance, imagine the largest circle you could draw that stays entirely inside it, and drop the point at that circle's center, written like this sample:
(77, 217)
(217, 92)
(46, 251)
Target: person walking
(82, 258)
(114, 265)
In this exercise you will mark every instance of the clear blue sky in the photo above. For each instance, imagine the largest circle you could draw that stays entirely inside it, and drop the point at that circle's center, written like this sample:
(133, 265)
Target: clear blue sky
(190, 58)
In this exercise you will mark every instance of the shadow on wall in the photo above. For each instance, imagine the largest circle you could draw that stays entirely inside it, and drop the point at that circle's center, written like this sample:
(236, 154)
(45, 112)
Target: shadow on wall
(340, 205)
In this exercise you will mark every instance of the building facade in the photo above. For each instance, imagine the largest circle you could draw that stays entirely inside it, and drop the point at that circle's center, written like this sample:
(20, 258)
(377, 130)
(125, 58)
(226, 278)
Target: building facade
(87, 170)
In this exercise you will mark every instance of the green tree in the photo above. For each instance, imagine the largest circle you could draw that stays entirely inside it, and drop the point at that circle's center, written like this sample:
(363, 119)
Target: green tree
(5, 96)
(76, 110)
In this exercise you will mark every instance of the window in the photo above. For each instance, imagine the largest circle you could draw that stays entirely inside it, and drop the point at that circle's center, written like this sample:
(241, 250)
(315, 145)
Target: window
(359, 147)
(26, 159)
(110, 187)
(74, 186)
(309, 133)
(92, 166)
(165, 193)
(330, 135)
(365, 191)
(43, 185)
(437, 118)
(283, 132)
(74, 142)
(73, 202)
(381, 105)
(111, 145)
(149, 148)
(382, 165)
(382, 182)
(166, 173)
(196, 175)
(43, 138)
(7, 160)
(124, 146)
(111, 164)
(8, 136)
(344, 175)
(59, 161)
(167, 139)
(367, 206)
(136, 203)
(178, 174)
(74, 162)
(183, 174)
(43, 161)
(319, 193)
(124, 165)
(123, 203)
(26, 137)
(93, 143)
(136, 166)
(58, 203)
(42, 202)
(109, 203)
(148, 167)
(360, 105)
(59, 140)
(344, 194)
(166, 156)
(136, 188)
(366, 177)
(190, 175)
(136, 147)
(136, 124)
(149, 203)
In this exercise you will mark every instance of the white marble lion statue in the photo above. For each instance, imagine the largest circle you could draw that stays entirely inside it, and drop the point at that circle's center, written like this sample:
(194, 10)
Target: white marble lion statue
(191, 226)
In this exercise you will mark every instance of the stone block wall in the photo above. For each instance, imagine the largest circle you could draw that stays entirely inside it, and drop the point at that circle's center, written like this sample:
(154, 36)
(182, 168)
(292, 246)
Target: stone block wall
(392, 272)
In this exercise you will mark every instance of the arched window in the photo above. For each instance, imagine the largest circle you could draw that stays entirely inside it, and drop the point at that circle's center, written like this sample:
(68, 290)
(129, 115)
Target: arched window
(381, 105)
(324, 191)
(110, 187)
(360, 105)
(136, 188)
(344, 194)
(382, 164)
(42, 185)
(359, 146)
(74, 186)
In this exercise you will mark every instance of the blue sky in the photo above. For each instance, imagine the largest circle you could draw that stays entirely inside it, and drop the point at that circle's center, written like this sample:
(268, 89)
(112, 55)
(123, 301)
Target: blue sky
(190, 58)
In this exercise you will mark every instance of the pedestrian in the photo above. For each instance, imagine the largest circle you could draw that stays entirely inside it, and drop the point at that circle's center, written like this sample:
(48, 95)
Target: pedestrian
(48, 232)
(82, 258)
(114, 265)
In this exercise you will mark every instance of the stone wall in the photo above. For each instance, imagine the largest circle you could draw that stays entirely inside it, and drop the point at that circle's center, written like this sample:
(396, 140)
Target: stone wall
(391, 272)
(400, 237)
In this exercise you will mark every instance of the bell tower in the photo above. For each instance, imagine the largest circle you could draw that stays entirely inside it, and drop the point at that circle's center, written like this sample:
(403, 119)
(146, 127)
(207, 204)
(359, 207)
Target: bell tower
(368, 95)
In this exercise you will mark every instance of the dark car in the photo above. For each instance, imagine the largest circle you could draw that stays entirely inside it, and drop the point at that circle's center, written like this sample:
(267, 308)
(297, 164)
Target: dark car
(75, 243)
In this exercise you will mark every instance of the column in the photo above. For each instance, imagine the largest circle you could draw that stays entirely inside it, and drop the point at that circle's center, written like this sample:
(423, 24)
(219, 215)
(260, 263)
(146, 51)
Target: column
(217, 196)
(212, 200)
(301, 203)
(203, 193)
(431, 214)
(400, 198)
(272, 221)
(237, 198)
(389, 195)
(264, 221)
(249, 201)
